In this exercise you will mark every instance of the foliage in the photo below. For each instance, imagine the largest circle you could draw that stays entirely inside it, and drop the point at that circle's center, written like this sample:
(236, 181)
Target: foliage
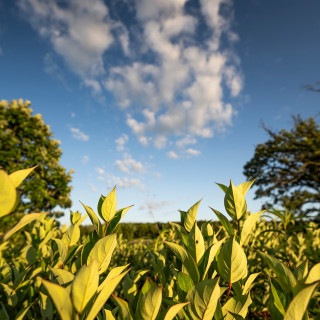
(248, 269)
(287, 167)
(24, 142)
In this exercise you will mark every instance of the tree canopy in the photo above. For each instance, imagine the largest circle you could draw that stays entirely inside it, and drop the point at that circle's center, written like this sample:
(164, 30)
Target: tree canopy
(287, 167)
(26, 141)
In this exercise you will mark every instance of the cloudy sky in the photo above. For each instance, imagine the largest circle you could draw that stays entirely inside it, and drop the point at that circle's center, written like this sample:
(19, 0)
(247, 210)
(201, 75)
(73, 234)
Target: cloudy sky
(162, 98)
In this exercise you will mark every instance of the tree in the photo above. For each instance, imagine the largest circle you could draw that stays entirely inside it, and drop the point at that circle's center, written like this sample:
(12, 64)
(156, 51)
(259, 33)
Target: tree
(25, 141)
(287, 167)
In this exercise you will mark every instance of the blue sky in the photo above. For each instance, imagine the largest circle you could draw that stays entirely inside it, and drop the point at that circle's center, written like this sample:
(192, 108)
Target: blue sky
(161, 98)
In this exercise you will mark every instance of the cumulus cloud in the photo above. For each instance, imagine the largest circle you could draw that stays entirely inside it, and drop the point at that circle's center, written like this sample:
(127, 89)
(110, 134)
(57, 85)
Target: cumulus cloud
(121, 141)
(181, 93)
(129, 165)
(176, 77)
(125, 182)
(192, 152)
(79, 135)
(79, 31)
(172, 155)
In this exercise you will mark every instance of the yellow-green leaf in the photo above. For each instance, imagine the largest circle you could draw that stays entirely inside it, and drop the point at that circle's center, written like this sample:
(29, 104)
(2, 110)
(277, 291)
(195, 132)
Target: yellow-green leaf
(149, 304)
(232, 262)
(94, 219)
(191, 216)
(28, 218)
(298, 305)
(204, 298)
(18, 176)
(196, 243)
(9, 197)
(109, 206)
(174, 310)
(188, 262)
(85, 285)
(123, 307)
(235, 202)
(60, 298)
(102, 252)
(104, 295)
(249, 224)
(113, 273)
(244, 187)
(314, 274)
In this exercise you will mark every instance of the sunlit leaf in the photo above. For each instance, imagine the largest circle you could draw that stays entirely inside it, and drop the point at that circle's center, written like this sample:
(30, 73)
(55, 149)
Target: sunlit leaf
(18, 176)
(191, 216)
(109, 206)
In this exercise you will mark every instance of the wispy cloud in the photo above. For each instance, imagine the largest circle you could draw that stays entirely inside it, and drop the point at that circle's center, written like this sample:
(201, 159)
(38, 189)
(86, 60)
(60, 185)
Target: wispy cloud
(79, 135)
(129, 165)
(192, 152)
(121, 141)
(125, 182)
(85, 159)
(172, 155)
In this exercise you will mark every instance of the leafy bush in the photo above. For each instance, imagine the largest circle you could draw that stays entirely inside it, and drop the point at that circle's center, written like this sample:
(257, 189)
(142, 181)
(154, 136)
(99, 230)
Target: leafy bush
(246, 269)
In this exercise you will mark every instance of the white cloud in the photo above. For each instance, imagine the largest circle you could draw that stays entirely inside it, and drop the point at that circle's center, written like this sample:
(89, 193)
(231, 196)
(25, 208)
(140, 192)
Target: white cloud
(100, 171)
(92, 187)
(172, 155)
(121, 141)
(181, 93)
(192, 152)
(185, 141)
(129, 165)
(125, 182)
(175, 78)
(77, 134)
(79, 31)
(85, 159)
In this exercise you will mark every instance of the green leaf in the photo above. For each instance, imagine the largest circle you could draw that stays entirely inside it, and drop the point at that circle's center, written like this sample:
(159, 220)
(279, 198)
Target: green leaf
(186, 259)
(102, 197)
(84, 286)
(185, 282)
(298, 305)
(104, 295)
(248, 283)
(203, 298)
(62, 249)
(149, 304)
(109, 206)
(22, 313)
(102, 252)
(116, 219)
(60, 298)
(123, 307)
(208, 257)
(196, 243)
(276, 299)
(235, 202)
(46, 307)
(232, 262)
(249, 224)
(222, 187)
(63, 277)
(301, 272)
(18, 176)
(174, 310)
(191, 216)
(72, 235)
(28, 218)
(286, 278)
(314, 274)
(9, 197)
(238, 305)
(244, 187)
(94, 219)
(224, 221)
(112, 274)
